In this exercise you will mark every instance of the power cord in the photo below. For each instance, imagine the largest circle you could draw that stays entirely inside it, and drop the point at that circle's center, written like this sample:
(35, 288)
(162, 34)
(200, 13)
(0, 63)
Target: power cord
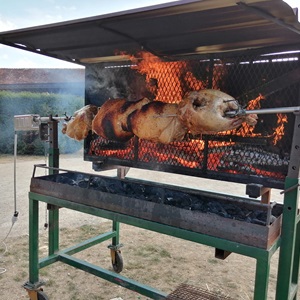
(16, 213)
(13, 221)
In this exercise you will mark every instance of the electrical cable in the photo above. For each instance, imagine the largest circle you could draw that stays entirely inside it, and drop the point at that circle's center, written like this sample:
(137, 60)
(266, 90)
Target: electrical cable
(16, 213)
(14, 219)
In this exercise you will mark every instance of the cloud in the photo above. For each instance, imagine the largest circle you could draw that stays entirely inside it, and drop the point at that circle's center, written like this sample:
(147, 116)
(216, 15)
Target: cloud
(16, 58)
(6, 25)
(27, 62)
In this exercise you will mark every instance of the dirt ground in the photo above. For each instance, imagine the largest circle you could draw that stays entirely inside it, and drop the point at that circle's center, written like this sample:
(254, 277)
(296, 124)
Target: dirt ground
(160, 261)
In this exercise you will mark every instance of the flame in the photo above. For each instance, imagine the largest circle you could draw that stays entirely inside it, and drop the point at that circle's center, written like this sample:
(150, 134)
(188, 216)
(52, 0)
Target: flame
(167, 75)
(246, 129)
(279, 130)
(169, 81)
(255, 103)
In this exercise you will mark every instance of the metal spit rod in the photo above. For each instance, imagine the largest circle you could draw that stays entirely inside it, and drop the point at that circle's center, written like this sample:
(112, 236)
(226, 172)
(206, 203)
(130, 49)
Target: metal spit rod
(47, 119)
(277, 110)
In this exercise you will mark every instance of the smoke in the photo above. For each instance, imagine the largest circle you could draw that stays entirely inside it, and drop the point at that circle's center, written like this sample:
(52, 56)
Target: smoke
(105, 81)
(102, 84)
(59, 99)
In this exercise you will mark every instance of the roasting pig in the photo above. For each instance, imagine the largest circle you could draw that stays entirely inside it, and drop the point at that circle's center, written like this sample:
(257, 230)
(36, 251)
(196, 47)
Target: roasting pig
(81, 123)
(199, 112)
(111, 119)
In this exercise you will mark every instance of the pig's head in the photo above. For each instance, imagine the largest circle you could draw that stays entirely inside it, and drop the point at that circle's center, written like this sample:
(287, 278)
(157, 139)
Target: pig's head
(204, 111)
(81, 123)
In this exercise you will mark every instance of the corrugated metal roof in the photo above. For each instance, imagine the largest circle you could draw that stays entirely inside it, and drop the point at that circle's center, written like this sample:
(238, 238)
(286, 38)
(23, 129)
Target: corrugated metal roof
(173, 29)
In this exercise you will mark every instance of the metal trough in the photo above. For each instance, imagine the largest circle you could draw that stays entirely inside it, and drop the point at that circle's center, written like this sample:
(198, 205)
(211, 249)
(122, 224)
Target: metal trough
(237, 219)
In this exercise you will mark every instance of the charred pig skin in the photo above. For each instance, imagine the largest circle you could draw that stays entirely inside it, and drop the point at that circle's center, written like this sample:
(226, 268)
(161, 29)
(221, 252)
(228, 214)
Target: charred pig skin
(111, 119)
(157, 122)
(200, 112)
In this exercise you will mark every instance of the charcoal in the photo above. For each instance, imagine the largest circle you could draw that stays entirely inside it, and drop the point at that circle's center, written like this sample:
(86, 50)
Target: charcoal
(181, 200)
(176, 198)
(66, 180)
(83, 183)
(134, 189)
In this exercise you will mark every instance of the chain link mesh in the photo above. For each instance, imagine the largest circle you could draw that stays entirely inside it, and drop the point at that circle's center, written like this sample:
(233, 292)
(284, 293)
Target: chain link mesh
(255, 80)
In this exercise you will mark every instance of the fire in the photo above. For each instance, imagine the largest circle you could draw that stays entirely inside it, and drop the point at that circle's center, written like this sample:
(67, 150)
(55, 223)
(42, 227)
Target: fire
(169, 81)
(173, 79)
(255, 103)
(279, 130)
(246, 129)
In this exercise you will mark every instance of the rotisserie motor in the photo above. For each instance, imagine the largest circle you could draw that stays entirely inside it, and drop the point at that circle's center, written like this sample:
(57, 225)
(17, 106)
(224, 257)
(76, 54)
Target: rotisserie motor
(199, 112)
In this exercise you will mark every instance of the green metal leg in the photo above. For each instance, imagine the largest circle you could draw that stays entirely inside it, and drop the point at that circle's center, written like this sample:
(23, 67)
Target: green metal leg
(33, 241)
(295, 274)
(53, 236)
(288, 257)
(116, 228)
(262, 279)
(53, 161)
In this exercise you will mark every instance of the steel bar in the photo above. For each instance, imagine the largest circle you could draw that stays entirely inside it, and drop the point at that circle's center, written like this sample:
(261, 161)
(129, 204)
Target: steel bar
(76, 248)
(289, 235)
(288, 266)
(53, 215)
(47, 119)
(261, 279)
(268, 16)
(112, 277)
(33, 240)
(204, 239)
(294, 165)
(275, 110)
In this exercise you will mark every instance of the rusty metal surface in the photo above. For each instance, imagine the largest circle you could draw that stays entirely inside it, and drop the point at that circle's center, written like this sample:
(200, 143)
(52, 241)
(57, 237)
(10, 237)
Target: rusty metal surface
(172, 29)
(188, 292)
(194, 220)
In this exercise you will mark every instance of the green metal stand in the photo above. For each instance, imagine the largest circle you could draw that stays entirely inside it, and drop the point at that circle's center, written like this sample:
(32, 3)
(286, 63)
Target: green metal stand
(262, 256)
(288, 268)
(289, 242)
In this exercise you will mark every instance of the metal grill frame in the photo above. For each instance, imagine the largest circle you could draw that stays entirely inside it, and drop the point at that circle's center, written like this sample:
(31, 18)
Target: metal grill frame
(270, 88)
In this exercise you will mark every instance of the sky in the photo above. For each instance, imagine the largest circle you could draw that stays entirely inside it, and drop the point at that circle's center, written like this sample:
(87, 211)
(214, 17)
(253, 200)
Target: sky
(16, 14)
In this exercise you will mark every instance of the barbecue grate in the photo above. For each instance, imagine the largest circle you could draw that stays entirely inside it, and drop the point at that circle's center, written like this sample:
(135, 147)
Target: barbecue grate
(188, 292)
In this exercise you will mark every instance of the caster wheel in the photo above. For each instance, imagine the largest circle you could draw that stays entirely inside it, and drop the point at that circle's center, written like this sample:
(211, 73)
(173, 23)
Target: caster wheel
(42, 296)
(117, 262)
